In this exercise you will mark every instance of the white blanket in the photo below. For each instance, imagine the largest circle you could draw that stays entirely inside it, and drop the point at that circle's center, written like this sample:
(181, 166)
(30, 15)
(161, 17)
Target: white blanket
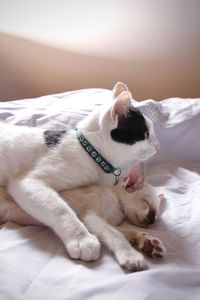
(33, 262)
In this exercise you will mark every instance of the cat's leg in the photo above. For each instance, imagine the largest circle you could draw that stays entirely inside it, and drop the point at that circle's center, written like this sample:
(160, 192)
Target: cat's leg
(45, 205)
(125, 254)
(143, 241)
(11, 212)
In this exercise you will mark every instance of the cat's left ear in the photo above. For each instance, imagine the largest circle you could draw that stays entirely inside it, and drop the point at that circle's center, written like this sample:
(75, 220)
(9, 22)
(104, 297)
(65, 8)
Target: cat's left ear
(119, 88)
(121, 105)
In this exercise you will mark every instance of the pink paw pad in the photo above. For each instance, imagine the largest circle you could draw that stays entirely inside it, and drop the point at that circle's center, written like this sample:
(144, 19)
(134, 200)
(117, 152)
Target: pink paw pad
(152, 247)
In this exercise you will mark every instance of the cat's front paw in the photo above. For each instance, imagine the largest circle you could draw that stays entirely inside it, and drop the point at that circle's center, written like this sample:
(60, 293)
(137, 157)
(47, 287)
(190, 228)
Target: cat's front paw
(86, 248)
(132, 261)
(150, 245)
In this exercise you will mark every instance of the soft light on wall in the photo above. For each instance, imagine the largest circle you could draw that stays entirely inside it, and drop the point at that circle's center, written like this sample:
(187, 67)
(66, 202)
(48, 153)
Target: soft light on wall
(152, 45)
(125, 29)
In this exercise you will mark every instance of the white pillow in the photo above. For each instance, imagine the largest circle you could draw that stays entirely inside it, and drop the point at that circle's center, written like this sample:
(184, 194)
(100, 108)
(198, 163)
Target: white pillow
(54, 111)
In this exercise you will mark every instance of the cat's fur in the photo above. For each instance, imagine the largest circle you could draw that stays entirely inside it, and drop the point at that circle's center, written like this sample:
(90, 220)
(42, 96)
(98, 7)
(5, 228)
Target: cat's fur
(35, 175)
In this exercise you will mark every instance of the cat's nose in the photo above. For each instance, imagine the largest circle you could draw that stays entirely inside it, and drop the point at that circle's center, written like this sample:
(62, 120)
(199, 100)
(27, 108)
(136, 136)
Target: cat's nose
(157, 146)
(155, 143)
(151, 216)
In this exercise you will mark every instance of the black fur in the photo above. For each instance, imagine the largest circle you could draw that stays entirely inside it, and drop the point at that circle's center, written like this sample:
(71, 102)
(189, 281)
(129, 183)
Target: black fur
(131, 128)
(53, 137)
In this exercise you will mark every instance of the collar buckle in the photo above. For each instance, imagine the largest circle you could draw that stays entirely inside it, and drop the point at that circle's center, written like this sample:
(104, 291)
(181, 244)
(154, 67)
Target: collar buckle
(117, 173)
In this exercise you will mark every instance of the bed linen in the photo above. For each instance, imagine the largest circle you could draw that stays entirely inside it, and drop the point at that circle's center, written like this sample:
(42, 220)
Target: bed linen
(33, 262)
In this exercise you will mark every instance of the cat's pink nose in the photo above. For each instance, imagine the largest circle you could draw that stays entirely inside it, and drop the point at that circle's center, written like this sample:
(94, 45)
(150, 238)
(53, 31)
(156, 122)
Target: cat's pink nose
(157, 146)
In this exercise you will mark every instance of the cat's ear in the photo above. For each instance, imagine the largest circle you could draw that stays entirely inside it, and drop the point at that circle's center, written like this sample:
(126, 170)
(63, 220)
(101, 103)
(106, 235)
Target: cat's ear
(134, 180)
(119, 88)
(121, 105)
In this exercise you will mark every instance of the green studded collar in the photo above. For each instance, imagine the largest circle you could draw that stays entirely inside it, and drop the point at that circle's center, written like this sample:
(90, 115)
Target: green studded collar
(97, 157)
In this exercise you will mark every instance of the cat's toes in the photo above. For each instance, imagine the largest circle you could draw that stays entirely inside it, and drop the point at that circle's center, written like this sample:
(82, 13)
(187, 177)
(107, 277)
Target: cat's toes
(151, 246)
(132, 261)
(86, 248)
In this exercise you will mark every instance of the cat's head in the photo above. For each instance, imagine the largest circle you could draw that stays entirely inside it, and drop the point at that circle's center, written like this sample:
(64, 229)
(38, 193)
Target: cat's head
(142, 207)
(120, 131)
(139, 200)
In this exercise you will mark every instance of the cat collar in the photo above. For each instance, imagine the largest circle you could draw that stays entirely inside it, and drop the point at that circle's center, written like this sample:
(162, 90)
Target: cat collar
(97, 157)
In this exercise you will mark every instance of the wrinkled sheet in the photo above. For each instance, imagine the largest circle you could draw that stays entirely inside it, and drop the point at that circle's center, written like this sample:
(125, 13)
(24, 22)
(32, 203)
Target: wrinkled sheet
(33, 262)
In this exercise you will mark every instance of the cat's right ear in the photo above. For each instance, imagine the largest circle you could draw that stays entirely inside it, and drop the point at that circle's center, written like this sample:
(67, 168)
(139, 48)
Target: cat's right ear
(134, 180)
(121, 105)
(119, 88)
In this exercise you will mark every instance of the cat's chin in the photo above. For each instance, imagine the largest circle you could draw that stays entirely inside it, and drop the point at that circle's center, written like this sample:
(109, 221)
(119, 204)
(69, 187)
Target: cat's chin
(145, 157)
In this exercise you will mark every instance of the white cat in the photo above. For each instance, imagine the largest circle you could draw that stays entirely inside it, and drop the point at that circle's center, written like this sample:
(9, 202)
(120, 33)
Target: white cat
(36, 165)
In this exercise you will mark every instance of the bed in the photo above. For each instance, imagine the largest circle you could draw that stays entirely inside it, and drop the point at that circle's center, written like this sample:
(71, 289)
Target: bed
(33, 262)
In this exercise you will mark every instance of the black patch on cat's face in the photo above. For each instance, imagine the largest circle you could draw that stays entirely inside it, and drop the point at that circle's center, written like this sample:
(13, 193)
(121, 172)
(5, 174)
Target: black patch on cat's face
(53, 137)
(131, 128)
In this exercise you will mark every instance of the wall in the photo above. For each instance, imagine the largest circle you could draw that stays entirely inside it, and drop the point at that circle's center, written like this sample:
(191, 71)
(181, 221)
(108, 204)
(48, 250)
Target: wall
(53, 46)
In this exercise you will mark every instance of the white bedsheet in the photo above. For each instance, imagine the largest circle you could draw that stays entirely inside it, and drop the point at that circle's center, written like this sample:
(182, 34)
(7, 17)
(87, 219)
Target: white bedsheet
(33, 262)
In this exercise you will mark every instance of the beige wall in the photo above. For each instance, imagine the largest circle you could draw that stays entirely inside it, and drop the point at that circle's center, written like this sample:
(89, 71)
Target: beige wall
(54, 46)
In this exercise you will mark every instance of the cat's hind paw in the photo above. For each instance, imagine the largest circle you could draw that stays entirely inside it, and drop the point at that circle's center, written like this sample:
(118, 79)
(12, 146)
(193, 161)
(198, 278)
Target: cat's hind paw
(86, 248)
(151, 246)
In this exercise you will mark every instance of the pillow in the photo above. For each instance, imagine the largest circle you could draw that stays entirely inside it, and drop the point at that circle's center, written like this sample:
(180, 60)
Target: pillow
(54, 111)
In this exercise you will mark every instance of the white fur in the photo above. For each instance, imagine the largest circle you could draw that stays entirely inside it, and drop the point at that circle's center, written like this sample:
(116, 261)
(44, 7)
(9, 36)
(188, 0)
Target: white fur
(35, 174)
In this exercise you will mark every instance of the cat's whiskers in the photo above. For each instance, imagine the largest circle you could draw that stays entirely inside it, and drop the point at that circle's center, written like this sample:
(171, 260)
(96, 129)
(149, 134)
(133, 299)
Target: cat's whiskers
(151, 112)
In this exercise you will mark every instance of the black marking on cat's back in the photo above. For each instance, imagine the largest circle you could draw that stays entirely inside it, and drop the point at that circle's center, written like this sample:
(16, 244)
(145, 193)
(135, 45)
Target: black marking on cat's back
(131, 128)
(53, 137)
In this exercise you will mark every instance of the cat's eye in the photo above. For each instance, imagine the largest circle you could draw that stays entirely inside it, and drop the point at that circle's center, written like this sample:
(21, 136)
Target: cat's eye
(146, 134)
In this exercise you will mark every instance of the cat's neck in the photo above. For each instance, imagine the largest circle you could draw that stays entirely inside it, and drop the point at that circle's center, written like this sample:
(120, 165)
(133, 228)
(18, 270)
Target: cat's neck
(113, 156)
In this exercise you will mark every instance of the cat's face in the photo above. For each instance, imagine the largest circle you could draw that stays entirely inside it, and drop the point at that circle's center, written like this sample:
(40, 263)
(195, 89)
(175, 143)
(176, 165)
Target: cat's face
(127, 129)
(137, 132)
(142, 206)
(123, 132)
